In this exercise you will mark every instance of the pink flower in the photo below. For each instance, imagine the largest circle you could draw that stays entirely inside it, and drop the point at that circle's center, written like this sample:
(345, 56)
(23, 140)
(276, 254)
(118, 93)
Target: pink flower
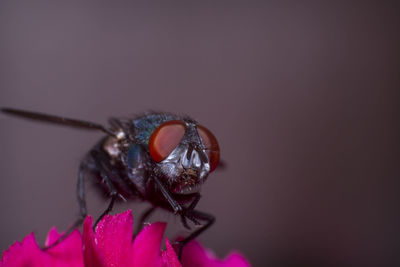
(111, 245)
(28, 253)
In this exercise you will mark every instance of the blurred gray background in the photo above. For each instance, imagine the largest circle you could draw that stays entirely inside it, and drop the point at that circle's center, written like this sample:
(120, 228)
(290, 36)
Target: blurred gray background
(303, 98)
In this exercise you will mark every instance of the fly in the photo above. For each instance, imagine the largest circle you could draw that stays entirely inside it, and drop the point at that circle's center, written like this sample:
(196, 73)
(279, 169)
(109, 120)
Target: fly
(160, 158)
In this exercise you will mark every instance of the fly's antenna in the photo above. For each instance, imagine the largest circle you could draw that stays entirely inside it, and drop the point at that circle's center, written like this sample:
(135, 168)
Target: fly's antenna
(36, 116)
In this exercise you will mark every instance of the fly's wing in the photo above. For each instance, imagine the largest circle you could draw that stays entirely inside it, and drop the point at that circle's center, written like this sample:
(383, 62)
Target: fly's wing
(53, 119)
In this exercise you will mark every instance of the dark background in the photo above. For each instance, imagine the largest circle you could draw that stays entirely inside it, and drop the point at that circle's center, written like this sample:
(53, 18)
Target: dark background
(302, 98)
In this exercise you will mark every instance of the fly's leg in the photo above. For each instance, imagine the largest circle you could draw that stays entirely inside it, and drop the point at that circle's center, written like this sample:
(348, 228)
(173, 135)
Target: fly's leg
(195, 215)
(175, 205)
(191, 207)
(56, 120)
(105, 170)
(80, 192)
(143, 218)
(107, 210)
(80, 189)
(188, 213)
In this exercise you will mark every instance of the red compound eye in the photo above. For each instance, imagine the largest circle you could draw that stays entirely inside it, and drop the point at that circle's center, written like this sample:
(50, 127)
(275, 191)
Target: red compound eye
(165, 139)
(211, 144)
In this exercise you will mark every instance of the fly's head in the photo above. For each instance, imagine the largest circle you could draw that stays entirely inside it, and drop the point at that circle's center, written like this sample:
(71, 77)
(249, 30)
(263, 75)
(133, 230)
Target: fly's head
(184, 153)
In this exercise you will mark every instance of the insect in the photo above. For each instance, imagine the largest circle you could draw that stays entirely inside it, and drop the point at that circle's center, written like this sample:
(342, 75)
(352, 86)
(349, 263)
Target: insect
(160, 158)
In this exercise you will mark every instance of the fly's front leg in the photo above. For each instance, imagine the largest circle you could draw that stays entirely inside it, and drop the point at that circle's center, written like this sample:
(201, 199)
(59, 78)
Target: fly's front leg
(195, 215)
(187, 213)
(192, 205)
(178, 209)
(175, 205)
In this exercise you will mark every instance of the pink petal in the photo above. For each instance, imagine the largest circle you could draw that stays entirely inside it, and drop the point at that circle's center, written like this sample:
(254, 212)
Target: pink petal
(28, 253)
(194, 255)
(66, 253)
(146, 246)
(52, 236)
(22, 254)
(236, 259)
(169, 257)
(111, 245)
(92, 257)
(114, 237)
